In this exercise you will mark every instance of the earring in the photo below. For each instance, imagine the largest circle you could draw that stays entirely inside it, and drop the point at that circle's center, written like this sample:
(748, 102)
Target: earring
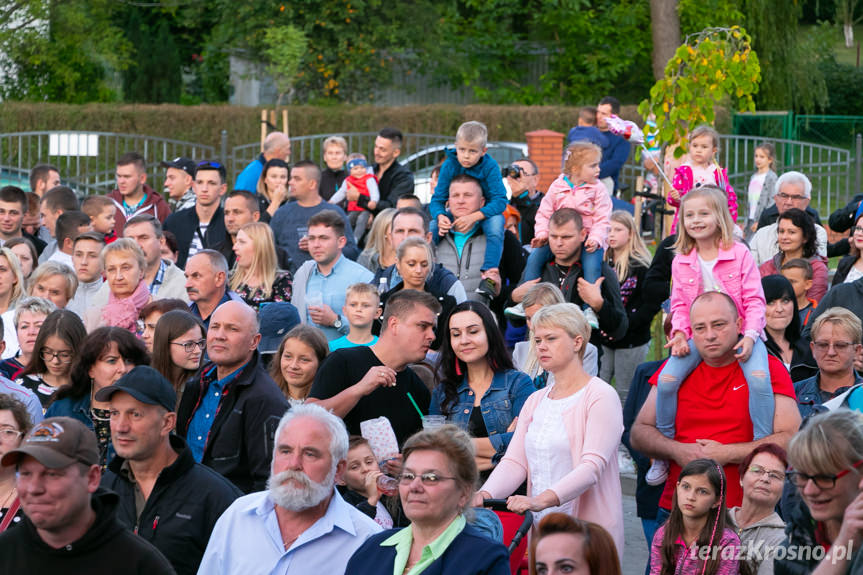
(457, 367)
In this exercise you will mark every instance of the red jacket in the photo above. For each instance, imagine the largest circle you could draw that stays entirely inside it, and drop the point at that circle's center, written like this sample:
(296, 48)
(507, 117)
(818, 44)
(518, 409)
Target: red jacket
(153, 204)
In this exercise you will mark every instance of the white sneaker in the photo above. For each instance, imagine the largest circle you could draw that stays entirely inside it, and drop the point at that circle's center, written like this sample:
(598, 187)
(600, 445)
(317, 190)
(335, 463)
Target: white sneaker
(625, 462)
(591, 318)
(515, 312)
(658, 472)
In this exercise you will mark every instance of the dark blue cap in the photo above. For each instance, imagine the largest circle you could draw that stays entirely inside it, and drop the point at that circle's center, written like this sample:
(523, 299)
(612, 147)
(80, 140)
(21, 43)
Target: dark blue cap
(144, 384)
(275, 320)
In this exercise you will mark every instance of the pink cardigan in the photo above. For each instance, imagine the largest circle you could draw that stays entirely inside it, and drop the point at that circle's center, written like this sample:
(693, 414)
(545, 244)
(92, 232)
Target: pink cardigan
(594, 426)
(737, 274)
(590, 200)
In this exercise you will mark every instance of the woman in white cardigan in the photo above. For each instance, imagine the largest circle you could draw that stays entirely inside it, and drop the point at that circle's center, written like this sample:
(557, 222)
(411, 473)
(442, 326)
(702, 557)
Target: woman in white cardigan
(566, 440)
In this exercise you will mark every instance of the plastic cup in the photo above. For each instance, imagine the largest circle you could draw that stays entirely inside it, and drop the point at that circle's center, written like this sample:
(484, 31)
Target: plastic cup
(387, 485)
(433, 421)
(314, 299)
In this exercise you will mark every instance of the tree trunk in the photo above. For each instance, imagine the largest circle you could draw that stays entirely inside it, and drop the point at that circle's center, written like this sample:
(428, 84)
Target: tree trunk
(665, 29)
(848, 28)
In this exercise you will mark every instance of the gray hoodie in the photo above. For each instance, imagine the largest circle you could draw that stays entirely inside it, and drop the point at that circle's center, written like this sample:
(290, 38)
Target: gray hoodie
(762, 537)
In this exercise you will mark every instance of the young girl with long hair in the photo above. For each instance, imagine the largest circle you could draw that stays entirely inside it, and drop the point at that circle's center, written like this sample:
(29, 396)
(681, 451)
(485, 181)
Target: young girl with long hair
(256, 276)
(178, 347)
(272, 190)
(629, 257)
(709, 259)
(694, 539)
(579, 188)
(701, 169)
(761, 184)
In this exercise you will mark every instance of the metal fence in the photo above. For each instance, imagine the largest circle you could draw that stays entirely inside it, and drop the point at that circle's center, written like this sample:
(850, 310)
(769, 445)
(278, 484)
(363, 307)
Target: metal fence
(830, 169)
(87, 160)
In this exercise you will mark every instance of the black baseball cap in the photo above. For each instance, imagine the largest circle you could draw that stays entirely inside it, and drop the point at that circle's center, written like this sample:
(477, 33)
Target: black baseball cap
(181, 163)
(144, 384)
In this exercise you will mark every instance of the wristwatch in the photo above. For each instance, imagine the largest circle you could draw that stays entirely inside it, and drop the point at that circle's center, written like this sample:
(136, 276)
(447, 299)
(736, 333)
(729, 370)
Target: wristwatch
(338, 323)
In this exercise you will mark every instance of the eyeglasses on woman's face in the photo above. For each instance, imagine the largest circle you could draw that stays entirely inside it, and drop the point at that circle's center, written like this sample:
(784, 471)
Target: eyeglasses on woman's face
(822, 481)
(764, 472)
(49, 354)
(190, 346)
(427, 479)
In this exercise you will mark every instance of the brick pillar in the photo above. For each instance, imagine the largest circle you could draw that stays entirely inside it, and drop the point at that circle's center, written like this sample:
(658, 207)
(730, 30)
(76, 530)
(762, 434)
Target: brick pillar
(545, 148)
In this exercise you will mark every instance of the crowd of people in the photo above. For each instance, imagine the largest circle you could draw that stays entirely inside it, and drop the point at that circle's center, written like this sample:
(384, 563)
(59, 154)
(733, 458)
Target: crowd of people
(308, 370)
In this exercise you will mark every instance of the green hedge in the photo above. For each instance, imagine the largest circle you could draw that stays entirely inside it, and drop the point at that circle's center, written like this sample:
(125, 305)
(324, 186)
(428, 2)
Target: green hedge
(203, 124)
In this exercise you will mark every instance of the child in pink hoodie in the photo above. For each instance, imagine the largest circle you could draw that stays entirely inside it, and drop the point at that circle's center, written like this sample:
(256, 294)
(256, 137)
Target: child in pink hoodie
(578, 188)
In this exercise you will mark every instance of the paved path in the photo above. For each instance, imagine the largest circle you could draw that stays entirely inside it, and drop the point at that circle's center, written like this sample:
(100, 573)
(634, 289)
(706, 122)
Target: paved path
(635, 554)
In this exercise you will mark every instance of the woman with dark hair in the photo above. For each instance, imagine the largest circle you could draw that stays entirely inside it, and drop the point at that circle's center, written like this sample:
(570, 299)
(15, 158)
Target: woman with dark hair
(300, 354)
(783, 328)
(797, 238)
(272, 187)
(850, 267)
(479, 389)
(565, 544)
(149, 317)
(106, 355)
(57, 344)
(178, 346)
(762, 476)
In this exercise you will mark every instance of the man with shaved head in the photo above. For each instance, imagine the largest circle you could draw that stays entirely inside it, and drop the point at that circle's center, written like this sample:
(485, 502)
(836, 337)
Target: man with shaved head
(230, 411)
(276, 145)
(713, 403)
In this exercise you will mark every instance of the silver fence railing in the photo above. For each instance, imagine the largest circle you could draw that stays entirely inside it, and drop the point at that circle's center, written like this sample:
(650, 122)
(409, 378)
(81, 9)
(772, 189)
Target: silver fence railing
(87, 160)
(830, 169)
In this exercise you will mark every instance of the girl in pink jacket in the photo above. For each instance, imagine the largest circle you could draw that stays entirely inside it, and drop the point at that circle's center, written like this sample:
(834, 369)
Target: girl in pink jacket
(578, 188)
(708, 259)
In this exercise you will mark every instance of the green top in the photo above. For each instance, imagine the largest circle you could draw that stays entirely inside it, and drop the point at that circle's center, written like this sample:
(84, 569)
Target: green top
(402, 542)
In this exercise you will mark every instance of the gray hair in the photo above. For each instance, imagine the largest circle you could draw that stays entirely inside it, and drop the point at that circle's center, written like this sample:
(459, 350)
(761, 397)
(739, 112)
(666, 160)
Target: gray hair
(55, 268)
(217, 260)
(33, 305)
(336, 427)
(125, 246)
(794, 178)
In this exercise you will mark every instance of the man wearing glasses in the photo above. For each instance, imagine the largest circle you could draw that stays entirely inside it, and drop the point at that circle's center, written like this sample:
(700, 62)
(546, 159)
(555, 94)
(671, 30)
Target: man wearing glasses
(203, 225)
(523, 182)
(794, 190)
(299, 524)
(836, 337)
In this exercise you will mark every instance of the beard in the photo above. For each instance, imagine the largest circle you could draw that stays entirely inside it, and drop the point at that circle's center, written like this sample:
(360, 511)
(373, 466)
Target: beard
(299, 498)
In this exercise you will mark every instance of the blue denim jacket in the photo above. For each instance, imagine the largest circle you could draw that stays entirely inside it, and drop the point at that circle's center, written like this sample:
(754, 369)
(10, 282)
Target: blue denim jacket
(78, 408)
(501, 404)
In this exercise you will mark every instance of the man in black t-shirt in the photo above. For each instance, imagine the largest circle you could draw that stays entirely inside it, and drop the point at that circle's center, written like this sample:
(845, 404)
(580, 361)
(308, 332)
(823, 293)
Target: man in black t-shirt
(363, 383)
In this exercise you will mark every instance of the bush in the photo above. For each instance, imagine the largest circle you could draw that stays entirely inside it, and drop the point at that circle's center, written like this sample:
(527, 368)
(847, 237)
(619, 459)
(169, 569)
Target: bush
(203, 124)
(844, 86)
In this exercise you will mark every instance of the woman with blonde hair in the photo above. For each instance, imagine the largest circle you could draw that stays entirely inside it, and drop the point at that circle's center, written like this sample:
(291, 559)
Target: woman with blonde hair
(256, 277)
(11, 290)
(629, 257)
(567, 436)
(825, 458)
(524, 354)
(125, 265)
(379, 253)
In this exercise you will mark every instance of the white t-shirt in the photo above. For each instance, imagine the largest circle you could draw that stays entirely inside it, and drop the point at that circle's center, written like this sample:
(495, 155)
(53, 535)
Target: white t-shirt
(756, 184)
(708, 280)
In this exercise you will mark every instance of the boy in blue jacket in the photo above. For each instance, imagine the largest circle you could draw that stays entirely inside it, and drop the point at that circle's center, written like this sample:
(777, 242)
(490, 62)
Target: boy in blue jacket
(469, 157)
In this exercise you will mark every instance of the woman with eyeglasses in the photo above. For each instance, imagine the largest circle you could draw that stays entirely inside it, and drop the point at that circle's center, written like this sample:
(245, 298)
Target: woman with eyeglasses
(436, 485)
(56, 346)
(850, 267)
(179, 341)
(14, 424)
(106, 355)
(762, 476)
(826, 459)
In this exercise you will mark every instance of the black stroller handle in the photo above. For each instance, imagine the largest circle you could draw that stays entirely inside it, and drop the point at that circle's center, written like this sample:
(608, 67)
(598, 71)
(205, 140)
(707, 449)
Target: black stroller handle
(500, 505)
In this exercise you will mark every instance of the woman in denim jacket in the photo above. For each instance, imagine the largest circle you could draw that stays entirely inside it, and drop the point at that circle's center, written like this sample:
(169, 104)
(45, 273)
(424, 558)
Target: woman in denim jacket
(476, 372)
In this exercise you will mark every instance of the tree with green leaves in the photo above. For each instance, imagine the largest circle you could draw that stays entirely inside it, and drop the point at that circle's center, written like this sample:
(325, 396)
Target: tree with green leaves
(715, 66)
(285, 47)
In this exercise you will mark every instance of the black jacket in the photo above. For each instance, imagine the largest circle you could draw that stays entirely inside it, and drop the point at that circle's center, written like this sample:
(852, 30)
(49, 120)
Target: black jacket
(845, 265)
(527, 208)
(184, 224)
(843, 219)
(395, 182)
(799, 534)
(180, 512)
(639, 314)
(771, 214)
(612, 316)
(105, 549)
(240, 443)
(330, 182)
(847, 295)
(657, 280)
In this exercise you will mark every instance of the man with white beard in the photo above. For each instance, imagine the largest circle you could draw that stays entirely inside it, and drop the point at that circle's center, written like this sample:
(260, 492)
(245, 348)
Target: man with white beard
(300, 524)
